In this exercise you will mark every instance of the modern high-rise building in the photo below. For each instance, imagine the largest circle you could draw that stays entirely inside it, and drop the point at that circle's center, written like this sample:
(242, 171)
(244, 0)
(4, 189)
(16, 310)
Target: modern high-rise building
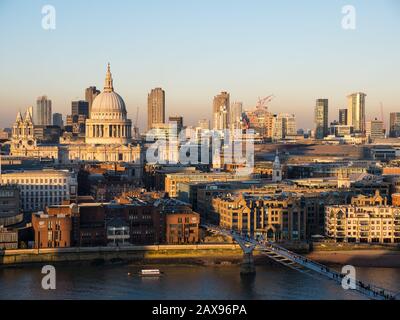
(90, 94)
(236, 115)
(375, 130)
(178, 120)
(43, 115)
(155, 107)
(356, 111)
(221, 111)
(80, 108)
(321, 119)
(284, 126)
(58, 120)
(204, 124)
(343, 117)
(261, 121)
(395, 125)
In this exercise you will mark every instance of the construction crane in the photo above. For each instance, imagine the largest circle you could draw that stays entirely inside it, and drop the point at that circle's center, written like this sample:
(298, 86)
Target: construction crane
(137, 117)
(382, 114)
(262, 103)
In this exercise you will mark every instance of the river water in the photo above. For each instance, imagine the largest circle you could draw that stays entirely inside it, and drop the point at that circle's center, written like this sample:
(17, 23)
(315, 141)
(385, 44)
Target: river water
(187, 282)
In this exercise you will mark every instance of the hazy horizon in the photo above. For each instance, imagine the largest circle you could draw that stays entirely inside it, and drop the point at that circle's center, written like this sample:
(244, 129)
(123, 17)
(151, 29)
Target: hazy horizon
(194, 49)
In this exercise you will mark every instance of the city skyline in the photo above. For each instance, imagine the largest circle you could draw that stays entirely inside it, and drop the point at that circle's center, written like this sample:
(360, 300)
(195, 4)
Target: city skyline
(273, 58)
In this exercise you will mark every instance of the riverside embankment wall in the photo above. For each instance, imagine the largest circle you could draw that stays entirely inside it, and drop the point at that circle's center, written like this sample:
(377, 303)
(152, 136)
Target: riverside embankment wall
(110, 254)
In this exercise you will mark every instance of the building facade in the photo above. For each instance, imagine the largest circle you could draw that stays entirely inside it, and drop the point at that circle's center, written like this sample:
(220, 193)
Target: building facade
(80, 108)
(58, 120)
(395, 124)
(10, 210)
(42, 188)
(236, 111)
(356, 111)
(52, 230)
(204, 124)
(363, 223)
(8, 239)
(375, 130)
(90, 94)
(178, 121)
(43, 114)
(321, 119)
(155, 107)
(343, 117)
(284, 126)
(221, 111)
(172, 180)
(277, 218)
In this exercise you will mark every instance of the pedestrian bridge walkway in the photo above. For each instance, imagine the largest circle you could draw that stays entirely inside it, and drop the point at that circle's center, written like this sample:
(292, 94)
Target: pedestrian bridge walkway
(298, 262)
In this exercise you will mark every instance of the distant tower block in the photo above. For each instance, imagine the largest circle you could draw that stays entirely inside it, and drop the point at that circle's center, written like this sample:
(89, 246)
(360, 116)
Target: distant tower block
(277, 169)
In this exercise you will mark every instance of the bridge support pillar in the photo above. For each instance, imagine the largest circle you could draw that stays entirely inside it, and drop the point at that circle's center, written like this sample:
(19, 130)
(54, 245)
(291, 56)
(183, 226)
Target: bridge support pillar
(247, 267)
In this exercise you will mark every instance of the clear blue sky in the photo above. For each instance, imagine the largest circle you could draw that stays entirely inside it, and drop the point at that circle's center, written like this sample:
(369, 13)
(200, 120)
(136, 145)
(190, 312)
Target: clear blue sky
(296, 50)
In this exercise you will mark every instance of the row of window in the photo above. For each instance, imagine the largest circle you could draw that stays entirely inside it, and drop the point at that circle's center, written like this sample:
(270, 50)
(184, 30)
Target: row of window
(36, 181)
(369, 222)
(42, 187)
(373, 234)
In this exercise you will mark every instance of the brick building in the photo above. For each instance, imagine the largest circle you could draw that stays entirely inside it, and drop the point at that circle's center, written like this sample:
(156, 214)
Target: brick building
(52, 230)
(126, 220)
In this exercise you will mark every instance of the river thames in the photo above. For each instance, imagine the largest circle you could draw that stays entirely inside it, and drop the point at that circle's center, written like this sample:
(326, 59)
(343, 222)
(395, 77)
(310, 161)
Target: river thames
(184, 282)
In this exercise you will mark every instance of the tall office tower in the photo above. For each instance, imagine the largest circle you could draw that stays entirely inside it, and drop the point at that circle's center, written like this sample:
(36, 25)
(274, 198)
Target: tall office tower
(394, 125)
(155, 107)
(90, 94)
(236, 115)
(43, 112)
(221, 111)
(178, 120)
(374, 130)
(284, 126)
(356, 111)
(321, 119)
(343, 117)
(80, 108)
(204, 124)
(58, 120)
(289, 124)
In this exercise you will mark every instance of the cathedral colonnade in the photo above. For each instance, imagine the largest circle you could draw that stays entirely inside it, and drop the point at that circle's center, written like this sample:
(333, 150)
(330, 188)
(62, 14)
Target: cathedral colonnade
(109, 131)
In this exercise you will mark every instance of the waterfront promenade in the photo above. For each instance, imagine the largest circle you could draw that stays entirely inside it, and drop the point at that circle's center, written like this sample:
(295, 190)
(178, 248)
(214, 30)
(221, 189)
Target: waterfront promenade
(126, 253)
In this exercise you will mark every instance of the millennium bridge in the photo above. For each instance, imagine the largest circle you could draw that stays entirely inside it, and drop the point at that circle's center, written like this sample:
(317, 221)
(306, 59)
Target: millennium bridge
(295, 261)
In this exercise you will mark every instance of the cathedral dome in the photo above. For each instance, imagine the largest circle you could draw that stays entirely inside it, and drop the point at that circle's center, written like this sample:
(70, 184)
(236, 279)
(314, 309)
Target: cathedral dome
(108, 104)
(108, 123)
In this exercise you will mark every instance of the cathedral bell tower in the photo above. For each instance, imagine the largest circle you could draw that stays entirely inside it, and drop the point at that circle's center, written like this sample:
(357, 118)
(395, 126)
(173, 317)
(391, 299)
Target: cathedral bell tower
(22, 132)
